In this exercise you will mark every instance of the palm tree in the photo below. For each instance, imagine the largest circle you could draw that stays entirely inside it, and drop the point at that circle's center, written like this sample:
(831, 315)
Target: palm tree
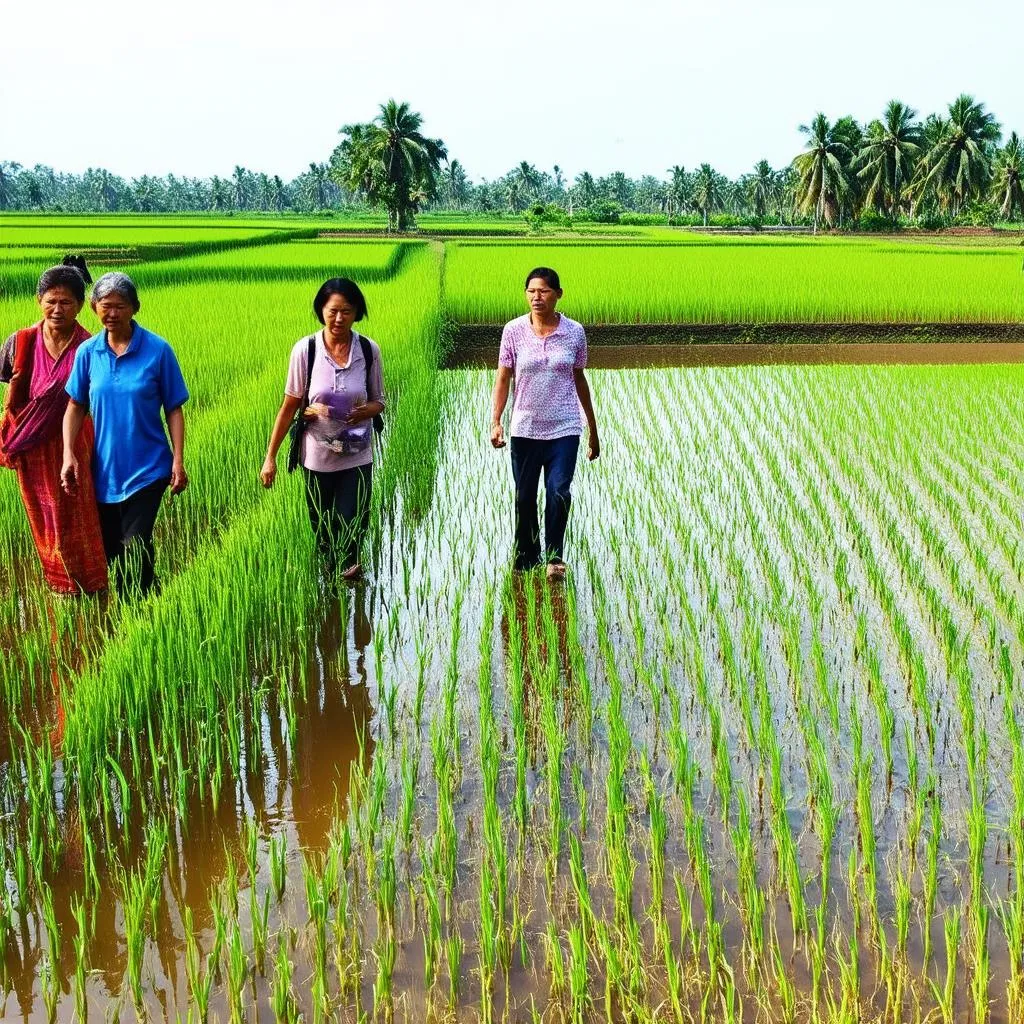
(529, 178)
(824, 183)
(455, 184)
(317, 186)
(277, 193)
(1008, 179)
(391, 162)
(958, 166)
(679, 189)
(764, 189)
(514, 193)
(888, 157)
(586, 189)
(239, 177)
(708, 193)
(8, 171)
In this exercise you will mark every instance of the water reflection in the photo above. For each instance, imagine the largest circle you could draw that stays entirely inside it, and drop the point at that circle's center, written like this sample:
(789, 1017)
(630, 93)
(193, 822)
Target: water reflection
(335, 721)
(288, 786)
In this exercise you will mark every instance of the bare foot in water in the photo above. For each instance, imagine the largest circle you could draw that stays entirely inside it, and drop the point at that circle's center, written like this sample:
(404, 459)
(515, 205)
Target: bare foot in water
(556, 571)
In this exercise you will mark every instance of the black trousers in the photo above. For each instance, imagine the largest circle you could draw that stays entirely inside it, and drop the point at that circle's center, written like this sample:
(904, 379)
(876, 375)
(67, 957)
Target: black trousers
(339, 512)
(557, 460)
(127, 528)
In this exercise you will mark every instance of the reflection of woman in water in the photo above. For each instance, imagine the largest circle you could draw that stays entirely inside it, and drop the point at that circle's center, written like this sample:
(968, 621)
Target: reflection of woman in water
(340, 371)
(335, 721)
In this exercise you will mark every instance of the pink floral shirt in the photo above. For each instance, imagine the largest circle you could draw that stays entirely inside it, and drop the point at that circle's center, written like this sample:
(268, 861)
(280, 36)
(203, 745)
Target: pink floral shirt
(544, 400)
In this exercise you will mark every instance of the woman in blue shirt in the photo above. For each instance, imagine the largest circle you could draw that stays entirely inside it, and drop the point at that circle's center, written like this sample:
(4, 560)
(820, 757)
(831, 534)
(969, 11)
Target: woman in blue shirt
(125, 377)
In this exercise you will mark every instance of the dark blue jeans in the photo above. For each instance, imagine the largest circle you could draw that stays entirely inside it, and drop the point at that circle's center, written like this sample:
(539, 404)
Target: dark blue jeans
(557, 460)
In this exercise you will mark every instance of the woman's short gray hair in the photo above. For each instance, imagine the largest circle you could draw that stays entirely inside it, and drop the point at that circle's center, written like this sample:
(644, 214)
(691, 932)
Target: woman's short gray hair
(116, 283)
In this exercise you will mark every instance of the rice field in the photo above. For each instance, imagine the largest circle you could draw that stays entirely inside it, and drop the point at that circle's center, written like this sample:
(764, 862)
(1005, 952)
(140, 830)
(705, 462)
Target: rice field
(746, 281)
(758, 760)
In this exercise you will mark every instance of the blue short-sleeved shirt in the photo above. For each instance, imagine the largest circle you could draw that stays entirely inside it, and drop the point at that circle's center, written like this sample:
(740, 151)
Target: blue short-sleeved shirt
(126, 395)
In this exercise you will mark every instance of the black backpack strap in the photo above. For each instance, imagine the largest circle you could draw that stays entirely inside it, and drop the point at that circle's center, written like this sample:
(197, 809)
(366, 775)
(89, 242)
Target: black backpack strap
(310, 356)
(364, 344)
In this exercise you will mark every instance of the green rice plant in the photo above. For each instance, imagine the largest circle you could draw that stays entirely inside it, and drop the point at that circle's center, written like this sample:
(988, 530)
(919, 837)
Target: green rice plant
(238, 973)
(946, 995)
(259, 915)
(579, 996)
(278, 864)
(200, 984)
(282, 995)
(81, 942)
(453, 948)
(385, 952)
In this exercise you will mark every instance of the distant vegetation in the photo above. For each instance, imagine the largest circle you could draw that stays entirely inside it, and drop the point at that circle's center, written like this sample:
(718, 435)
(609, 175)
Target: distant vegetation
(897, 170)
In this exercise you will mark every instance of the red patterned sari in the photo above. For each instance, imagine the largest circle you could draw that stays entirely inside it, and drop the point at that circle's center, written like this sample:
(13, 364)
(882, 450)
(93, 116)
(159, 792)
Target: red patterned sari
(66, 528)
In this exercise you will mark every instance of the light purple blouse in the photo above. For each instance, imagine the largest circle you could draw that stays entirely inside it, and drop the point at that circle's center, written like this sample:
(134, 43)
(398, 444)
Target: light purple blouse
(328, 445)
(544, 400)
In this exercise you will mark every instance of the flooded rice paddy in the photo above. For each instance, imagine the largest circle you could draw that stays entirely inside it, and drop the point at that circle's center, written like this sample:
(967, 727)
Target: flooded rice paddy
(758, 759)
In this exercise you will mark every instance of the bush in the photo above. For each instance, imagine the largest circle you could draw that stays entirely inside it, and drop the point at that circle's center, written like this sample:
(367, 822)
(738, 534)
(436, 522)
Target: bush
(872, 220)
(606, 211)
(932, 220)
(539, 215)
(643, 219)
(978, 214)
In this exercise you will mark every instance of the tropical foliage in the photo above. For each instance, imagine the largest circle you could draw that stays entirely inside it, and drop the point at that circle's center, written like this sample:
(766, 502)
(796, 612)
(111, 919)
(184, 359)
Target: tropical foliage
(390, 162)
(948, 168)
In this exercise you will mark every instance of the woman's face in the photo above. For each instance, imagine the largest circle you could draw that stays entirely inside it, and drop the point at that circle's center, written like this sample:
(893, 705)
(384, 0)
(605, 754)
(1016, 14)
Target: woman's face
(60, 307)
(339, 315)
(541, 297)
(115, 312)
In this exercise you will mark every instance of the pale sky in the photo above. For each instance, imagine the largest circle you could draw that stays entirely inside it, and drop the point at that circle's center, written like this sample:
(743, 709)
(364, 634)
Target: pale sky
(197, 86)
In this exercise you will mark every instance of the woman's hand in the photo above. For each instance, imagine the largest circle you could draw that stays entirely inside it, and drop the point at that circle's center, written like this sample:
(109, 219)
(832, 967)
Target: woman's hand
(497, 435)
(316, 410)
(69, 473)
(179, 478)
(268, 474)
(359, 414)
(593, 446)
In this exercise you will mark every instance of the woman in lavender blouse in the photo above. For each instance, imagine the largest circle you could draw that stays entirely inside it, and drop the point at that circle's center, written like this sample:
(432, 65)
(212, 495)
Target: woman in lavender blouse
(346, 393)
(541, 359)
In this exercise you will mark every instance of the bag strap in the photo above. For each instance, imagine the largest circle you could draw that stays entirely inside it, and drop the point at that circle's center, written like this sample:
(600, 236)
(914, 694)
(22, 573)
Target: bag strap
(310, 356)
(22, 364)
(364, 344)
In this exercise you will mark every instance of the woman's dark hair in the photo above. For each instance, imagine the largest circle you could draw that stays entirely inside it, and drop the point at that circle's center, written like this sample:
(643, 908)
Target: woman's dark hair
(347, 289)
(72, 274)
(547, 275)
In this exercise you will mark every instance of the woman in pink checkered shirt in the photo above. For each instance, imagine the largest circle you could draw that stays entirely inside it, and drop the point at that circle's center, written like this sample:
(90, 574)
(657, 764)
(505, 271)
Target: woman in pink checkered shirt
(542, 358)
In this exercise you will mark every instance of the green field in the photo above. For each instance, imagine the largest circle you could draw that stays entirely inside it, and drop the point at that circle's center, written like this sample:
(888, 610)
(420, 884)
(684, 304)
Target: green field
(760, 759)
(745, 281)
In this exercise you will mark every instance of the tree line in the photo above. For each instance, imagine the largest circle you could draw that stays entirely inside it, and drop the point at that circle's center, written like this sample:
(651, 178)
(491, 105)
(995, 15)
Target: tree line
(898, 169)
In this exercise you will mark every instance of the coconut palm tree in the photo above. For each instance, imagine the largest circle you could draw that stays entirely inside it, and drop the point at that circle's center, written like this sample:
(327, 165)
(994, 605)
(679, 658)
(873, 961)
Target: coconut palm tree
(958, 166)
(1008, 179)
(708, 191)
(391, 162)
(824, 181)
(763, 188)
(888, 157)
(455, 184)
(585, 190)
(529, 179)
(680, 189)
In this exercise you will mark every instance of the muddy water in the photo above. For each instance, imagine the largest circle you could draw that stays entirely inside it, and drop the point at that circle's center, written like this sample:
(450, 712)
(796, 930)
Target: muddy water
(910, 353)
(290, 790)
(293, 791)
